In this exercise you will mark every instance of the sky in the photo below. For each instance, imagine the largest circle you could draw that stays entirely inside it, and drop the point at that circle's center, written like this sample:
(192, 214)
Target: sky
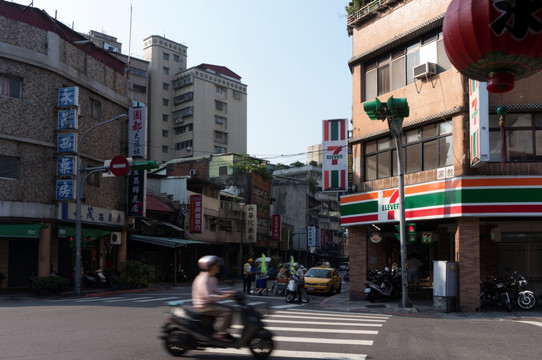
(292, 55)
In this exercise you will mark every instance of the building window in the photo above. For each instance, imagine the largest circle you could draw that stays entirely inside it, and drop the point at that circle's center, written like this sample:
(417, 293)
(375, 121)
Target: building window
(393, 70)
(220, 120)
(166, 70)
(166, 57)
(165, 86)
(165, 102)
(223, 170)
(221, 137)
(221, 90)
(183, 98)
(523, 137)
(9, 168)
(165, 133)
(219, 105)
(220, 150)
(10, 86)
(425, 148)
(176, 58)
(184, 145)
(183, 81)
(237, 95)
(165, 117)
(95, 109)
(165, 148)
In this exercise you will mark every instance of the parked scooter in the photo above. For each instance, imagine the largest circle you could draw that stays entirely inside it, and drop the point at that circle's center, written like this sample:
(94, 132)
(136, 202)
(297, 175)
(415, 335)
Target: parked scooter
(516, 284)
(494, 292)
(187, 329)
(384, 284)
(95, 278)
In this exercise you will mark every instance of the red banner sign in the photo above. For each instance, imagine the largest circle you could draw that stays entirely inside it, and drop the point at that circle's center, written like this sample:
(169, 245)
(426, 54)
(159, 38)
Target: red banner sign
(195, 213)
(275, 227)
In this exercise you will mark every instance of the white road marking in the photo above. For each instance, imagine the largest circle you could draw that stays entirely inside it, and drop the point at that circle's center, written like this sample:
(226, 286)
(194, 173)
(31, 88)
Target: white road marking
(537, 323)
(293, 316)
(319, 323)
(335, 314)
(322, 340)
(291, 354)
(123, 299)
(287, 306)
(307, 330)
(157, 299)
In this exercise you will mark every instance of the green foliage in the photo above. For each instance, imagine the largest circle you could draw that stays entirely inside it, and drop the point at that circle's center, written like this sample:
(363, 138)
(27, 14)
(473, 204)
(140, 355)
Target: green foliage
(313, 185)
(297, 164)
(353, 7)
(136, 274)
(50, 284)
(313, 163)
(247, 165)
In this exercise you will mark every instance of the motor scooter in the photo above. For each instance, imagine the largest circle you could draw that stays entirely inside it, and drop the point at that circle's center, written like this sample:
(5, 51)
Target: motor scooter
(292, 290)
(383, 284)
(186, 329)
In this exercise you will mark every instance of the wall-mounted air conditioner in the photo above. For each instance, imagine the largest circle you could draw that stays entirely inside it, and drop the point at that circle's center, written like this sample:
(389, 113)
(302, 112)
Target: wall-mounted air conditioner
(424, 70)
(115, 238)
(193, 172)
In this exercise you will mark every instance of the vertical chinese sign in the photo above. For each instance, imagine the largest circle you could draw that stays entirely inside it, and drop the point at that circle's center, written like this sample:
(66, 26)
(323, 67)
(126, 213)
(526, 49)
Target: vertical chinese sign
(251, 221)
(311, 236)
(335, 155)
(275, 227)
(67, 125)
(196, 209)
(285, 239)
(136, 149)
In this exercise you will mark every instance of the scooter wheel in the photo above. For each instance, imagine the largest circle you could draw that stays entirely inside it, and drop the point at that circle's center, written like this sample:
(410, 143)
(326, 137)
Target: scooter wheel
(526, 301)
(175, 343)
(261, 348)
(290, 297)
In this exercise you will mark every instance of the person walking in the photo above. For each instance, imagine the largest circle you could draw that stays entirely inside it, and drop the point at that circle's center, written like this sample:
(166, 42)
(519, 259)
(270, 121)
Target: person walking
(413, 266)
(248, 275)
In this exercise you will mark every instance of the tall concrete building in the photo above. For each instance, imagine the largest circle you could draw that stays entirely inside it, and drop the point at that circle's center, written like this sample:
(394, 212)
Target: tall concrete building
(192, 112)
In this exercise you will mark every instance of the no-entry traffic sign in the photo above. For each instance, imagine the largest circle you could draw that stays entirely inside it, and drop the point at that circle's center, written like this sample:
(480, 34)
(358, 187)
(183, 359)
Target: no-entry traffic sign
(119, 165)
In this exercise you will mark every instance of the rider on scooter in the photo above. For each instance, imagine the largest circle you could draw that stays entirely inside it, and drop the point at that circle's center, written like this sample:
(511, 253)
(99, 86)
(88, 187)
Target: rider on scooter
(300, 277)
(206, 294)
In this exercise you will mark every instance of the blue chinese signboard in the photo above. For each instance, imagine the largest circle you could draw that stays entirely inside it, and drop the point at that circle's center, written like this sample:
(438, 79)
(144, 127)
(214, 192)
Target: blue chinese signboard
(65, 190)
(67, 119)
(65, 166)
(66, 143)
(91, 214)
(68, 96)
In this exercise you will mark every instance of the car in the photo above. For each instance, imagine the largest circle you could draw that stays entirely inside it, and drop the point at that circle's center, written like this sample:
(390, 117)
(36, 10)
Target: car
(323, 280)
(344, 266)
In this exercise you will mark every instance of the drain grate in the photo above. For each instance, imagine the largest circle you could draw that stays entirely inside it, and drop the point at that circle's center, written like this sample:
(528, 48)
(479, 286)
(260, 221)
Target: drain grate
(376, 306)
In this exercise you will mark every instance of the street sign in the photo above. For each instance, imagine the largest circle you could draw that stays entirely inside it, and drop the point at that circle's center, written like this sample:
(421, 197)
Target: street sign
(119, 165)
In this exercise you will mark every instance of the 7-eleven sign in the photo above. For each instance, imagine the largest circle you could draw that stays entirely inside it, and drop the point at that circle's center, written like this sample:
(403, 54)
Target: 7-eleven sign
(335, 155)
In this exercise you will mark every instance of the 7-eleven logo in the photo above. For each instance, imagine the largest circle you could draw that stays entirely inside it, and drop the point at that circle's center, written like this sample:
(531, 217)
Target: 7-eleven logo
(388, 205)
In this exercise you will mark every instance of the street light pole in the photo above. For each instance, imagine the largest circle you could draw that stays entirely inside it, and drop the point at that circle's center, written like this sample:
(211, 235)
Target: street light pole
(79, 194)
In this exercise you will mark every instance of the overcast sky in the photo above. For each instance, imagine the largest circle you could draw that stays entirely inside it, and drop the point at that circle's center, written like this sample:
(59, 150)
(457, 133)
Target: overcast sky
(292, 54)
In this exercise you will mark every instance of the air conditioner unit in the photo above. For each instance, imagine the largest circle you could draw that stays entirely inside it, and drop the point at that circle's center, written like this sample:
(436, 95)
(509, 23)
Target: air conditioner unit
(115, 238)
(193, 172)
(424, 70)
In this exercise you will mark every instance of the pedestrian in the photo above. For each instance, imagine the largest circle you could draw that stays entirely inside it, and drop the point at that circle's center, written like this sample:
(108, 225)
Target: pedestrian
(206, 294)
(248, 277)
(413, 267)
(300, 278)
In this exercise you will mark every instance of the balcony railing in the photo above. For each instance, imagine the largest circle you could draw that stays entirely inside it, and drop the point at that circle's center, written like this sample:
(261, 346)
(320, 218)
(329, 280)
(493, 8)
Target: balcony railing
(366, 10)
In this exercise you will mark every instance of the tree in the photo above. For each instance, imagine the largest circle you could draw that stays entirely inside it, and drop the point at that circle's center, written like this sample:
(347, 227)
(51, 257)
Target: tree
(297, 164)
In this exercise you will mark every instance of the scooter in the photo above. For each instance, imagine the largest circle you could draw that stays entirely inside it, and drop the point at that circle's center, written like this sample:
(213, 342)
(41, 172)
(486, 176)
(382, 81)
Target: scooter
(291, 290)
(187, 329)
(516, 285)
(383, 284)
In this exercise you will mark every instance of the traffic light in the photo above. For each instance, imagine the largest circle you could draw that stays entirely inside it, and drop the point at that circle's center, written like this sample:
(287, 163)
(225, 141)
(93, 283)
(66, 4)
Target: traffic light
(144, 165)
(398, 108)
(374, 109)
(411, 232)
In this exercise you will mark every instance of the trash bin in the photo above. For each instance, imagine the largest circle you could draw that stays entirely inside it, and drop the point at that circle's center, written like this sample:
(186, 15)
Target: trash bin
(444, 285)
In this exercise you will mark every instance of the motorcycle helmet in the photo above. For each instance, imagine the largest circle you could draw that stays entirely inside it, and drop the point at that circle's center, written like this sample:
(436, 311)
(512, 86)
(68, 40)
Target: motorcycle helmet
(249, 260)
(207, 261)
(387, 269)
(296, 266)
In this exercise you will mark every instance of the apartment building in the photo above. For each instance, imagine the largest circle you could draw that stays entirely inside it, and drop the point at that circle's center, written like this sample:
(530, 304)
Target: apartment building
(482, 215)
(192, 112)
(56, 86)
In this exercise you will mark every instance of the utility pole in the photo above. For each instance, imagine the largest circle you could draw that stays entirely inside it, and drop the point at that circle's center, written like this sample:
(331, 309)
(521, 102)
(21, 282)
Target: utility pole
(394, 110)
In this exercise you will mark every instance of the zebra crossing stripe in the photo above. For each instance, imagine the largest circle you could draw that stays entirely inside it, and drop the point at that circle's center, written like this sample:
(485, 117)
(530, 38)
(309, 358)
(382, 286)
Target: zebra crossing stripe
(322, 340)
(326, 317)
(319, 323)
(310, 330)
(156, 299)
(291, 354)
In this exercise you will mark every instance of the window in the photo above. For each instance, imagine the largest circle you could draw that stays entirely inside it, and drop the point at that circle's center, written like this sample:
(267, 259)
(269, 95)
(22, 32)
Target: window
(165, 102)
(219, 105)
(184, 145)
(176, 58)
(165, 117)
(427, 147)
(95, 109)
(221, 137)
(183, 81)
(220, 120)
(220, 150)
(166, 57)
(184, 112)
(393, 70)
(165, 86)
(166, 70)
(223, 170)
(9, 168)
(165, 133)
(183, 98)
(523, 137)
(237, 95)
(165, 148)
(10, 86)
(221, 90)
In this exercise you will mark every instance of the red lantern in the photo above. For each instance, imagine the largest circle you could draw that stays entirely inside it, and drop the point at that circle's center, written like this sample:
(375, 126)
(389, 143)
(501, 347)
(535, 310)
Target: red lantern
(497, 41)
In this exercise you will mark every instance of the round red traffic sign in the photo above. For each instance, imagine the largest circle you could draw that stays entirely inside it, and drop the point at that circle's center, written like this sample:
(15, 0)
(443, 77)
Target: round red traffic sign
(119, 165)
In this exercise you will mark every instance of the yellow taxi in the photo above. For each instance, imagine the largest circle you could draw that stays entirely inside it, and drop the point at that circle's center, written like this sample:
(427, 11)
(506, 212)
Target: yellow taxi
(323, 280)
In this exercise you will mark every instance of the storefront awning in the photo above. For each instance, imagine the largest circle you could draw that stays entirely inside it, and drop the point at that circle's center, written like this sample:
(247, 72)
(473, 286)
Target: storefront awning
(86, 233)
(165, 241)
(31, 230)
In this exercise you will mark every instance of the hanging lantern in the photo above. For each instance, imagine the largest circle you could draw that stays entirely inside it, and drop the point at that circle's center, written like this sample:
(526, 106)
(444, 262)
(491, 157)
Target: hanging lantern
(494, 41)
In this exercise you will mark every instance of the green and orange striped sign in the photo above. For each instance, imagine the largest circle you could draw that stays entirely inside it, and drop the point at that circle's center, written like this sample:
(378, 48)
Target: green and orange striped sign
(463, 196)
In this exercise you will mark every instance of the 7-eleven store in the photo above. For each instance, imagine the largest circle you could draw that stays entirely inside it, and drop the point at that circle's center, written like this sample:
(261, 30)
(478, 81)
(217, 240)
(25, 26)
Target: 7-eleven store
(488, 224)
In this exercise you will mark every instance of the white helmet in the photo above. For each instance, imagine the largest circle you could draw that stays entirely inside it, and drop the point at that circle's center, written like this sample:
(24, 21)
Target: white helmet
(296, 266)
(207, 261)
